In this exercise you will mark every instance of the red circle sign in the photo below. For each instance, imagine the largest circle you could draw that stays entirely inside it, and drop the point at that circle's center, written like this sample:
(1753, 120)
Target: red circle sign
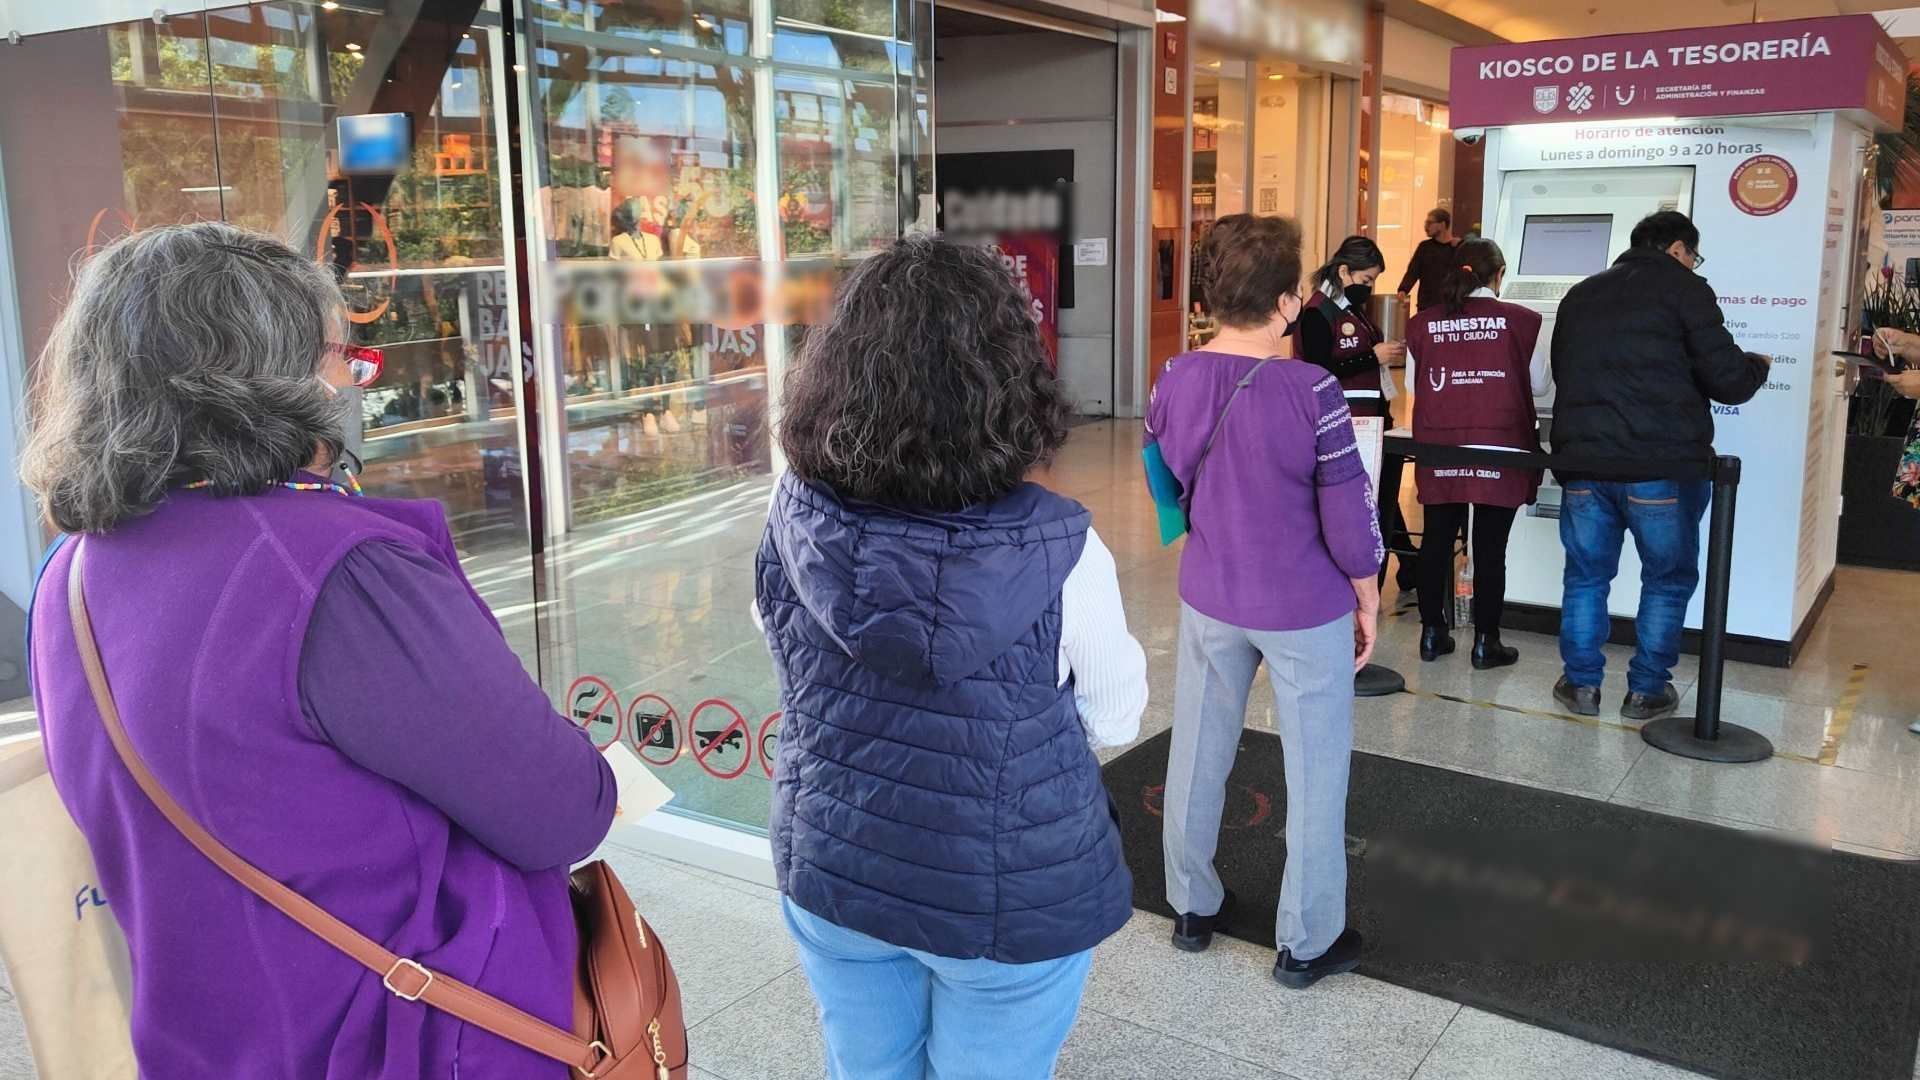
(707, 744)
(1257, 808)
(1763, 185)
(768, 755)
(655, 733)
(590, 700)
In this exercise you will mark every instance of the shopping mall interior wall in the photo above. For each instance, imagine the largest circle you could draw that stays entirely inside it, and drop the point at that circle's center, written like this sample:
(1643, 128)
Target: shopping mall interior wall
(1046, 91)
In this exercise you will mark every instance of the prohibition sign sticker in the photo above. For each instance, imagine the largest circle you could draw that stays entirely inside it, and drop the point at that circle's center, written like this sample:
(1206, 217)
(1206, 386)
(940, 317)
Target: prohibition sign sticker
(714, 747)
(769, 743)
(593, 705)
(654, 729)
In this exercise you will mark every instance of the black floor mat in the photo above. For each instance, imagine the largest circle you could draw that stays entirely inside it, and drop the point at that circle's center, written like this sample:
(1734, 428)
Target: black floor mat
(1726, 952)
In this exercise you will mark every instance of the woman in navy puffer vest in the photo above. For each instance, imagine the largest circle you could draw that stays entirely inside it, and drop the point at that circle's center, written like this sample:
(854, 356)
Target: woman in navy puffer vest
(949, 641)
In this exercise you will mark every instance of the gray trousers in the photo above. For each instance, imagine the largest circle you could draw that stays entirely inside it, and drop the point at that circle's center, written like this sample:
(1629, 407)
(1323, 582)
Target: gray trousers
(1312, 673)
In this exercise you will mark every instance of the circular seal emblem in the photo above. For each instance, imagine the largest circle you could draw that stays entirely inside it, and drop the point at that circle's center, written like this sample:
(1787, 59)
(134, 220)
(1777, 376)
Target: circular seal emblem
(1764, 184)
(1347, 329)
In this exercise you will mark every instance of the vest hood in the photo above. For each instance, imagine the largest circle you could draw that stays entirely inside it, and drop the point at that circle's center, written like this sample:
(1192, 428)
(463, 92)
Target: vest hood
(926, 599)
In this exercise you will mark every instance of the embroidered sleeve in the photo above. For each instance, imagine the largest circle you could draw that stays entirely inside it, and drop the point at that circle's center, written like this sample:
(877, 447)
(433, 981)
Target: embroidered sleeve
(1349, 519)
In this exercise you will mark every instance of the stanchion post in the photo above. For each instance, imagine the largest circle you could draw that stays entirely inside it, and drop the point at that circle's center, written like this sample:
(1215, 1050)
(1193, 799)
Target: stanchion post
(1713, 640)
(1703, 737)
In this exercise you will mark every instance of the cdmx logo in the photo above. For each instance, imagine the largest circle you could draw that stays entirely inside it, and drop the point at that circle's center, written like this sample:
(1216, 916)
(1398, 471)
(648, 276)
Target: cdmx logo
(1579, 98)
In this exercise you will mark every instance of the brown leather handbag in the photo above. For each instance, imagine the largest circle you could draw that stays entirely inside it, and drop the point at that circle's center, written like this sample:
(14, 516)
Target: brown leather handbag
(628, 1019)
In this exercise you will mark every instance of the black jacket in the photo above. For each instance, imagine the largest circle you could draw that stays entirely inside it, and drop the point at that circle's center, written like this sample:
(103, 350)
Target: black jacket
(1639, 353)
(1431, 263)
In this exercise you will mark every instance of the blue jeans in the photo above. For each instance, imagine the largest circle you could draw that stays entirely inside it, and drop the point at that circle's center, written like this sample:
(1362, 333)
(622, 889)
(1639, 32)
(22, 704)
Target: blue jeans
(890, 1013)
(1664, 518)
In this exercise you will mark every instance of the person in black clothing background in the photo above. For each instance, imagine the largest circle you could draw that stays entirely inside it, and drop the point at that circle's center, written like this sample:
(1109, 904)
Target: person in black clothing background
(1433, 260)
(1640, 353)
(1336, 333)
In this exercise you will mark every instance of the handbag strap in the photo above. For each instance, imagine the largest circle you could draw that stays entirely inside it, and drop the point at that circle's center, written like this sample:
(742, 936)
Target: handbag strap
(1245, 381)
(406, 979)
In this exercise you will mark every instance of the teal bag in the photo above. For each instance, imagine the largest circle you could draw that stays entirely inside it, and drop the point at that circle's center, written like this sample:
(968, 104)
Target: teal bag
(1171, 504)
(1165, 489)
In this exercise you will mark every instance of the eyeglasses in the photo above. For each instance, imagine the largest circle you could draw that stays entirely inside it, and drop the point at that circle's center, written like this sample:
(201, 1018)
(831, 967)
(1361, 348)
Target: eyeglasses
(1699, 260)
(363, 362)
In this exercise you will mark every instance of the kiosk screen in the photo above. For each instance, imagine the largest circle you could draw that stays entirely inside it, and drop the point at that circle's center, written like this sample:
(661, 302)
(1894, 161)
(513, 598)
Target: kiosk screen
(1564, 245)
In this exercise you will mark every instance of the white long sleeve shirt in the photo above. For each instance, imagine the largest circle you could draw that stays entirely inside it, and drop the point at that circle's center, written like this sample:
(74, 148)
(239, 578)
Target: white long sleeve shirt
(1108, 667)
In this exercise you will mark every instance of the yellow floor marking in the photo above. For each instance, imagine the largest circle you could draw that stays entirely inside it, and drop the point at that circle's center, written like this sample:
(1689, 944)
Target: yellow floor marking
(1596, 722)
(1840, 718)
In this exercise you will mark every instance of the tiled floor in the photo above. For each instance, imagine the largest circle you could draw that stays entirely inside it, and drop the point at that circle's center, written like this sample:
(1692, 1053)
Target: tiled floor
(662, 601)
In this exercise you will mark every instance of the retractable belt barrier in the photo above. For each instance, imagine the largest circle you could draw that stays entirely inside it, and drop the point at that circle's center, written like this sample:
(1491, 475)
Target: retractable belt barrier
(1702, 736)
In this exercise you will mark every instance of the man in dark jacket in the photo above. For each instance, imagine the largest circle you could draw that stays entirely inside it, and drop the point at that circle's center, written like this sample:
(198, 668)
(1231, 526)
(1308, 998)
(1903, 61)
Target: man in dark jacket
(1640, 352)
(1435, 258)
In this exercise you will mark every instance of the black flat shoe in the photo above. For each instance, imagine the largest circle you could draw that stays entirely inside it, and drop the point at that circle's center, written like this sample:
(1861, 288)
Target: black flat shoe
(1580, 700)
(1300, 974)
(1435, 642)
(1193, 933)
(1645, 707)
(1489, 653)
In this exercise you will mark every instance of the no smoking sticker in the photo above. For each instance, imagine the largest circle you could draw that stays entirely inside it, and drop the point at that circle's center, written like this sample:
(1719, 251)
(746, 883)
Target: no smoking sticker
(722, 739)
(593, 705)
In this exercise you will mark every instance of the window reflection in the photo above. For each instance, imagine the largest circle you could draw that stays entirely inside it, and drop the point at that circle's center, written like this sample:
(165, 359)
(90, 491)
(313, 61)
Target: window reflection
(673, 266)
(1416, 174)
(234, 114)
(687, 268)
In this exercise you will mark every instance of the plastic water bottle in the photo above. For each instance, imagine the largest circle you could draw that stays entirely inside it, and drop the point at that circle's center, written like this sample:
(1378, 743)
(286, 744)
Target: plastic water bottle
(1463, 592)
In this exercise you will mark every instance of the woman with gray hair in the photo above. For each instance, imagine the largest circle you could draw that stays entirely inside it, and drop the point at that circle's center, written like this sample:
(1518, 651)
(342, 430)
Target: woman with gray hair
(305, 670)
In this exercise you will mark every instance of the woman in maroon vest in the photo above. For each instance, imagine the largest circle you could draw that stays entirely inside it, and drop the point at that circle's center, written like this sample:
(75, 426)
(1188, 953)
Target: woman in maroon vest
(1473, 375)
(1336, 333)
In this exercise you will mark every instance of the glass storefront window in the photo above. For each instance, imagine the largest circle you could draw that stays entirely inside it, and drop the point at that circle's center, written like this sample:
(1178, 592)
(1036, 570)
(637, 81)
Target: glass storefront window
(1220, 131)
(698, 198)
(235, 114)
(1259, 146)
(1416, 174)
(697, 175)
(1291, 146)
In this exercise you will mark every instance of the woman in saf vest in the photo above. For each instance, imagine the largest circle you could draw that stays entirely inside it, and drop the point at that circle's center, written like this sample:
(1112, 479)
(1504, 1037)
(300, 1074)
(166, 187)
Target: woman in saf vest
(1473, 372)
(1336, 333)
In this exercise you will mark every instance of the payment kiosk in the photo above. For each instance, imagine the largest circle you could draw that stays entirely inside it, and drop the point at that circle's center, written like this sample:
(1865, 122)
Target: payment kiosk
(1560, 226)
(1762, 135)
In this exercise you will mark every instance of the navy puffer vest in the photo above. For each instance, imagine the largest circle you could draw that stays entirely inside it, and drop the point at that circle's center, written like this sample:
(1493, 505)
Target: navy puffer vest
(935, 789)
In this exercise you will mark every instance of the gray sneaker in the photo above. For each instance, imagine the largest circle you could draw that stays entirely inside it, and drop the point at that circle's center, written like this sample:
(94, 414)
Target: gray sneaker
(1580, 700)
(1645, 707)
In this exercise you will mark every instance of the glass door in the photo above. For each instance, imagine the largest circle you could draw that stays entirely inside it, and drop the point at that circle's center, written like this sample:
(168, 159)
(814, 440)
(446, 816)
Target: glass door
(703, 170)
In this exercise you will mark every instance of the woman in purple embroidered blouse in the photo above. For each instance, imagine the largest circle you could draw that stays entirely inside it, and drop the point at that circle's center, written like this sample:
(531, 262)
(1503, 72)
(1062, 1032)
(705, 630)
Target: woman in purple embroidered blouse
(1280, 565)
(307, 672)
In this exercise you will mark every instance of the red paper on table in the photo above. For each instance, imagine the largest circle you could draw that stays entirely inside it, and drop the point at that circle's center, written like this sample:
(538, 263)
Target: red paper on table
(1034, 259)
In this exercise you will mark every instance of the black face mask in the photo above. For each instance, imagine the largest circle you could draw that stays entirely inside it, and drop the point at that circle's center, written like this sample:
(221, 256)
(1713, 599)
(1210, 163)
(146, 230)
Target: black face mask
(1358, 295)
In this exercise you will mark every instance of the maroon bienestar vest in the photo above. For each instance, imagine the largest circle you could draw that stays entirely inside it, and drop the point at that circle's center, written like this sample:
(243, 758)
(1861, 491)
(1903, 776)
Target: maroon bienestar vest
(1474, 390)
